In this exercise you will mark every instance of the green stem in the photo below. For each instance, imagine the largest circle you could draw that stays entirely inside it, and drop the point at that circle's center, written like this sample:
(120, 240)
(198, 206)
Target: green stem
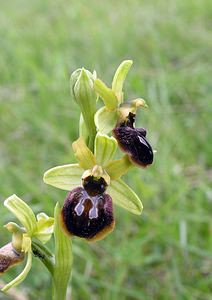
(44, 254)
(63, 259)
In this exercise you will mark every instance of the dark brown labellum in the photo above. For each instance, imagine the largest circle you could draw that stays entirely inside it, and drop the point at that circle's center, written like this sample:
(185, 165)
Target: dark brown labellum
(133, 141)
(86, 216)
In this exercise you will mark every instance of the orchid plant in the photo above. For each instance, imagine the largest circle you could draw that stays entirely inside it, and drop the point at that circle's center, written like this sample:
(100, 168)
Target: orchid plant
(94, 183)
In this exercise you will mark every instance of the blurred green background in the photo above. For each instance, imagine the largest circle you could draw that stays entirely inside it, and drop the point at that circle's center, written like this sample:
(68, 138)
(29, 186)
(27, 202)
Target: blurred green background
(166, 252)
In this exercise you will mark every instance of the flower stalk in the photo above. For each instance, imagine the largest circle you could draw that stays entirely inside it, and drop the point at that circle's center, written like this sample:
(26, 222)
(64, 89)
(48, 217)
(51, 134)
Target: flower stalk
(63, 258)
(44, 254)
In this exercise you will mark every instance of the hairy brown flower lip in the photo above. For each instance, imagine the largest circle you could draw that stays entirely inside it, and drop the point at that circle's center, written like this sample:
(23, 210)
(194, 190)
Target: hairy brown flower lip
(86, 216)
(133, 141)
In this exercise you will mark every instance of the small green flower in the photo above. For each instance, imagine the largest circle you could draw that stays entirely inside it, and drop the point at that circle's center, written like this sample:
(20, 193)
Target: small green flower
(93, 182)
(40, 228)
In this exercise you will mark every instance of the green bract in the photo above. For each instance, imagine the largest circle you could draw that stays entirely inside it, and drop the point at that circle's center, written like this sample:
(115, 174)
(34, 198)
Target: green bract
(99, 165)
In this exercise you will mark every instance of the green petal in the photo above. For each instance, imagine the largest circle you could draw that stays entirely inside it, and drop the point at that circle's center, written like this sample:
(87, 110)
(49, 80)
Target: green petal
(119, 167)
(105, 148)
(107, 95)
(119, 78)
(125, 197)
(21, 276)
(83, 154)
(105, 120)
(44, 227)
(64, 177)
(63, 257)
(22, 212)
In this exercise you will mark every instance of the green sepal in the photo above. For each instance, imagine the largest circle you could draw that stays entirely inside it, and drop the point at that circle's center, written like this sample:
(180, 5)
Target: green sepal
(83, 154)
(22, 275)
(64, 177)
(106, 120)
(107, 95)
(63, 258)
(105, 148)
(124, 196)
(119, 78)
(44, 227)
(119, 167)
(22, 212)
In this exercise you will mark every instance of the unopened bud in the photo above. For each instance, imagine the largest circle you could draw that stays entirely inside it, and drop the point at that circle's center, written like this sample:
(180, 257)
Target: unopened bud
(83, 91)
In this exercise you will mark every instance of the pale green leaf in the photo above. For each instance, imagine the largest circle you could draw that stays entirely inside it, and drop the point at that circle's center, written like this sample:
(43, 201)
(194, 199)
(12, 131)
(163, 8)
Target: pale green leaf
(22, 212)
(105, 148)
(64, 177)
(63, 257)
(119, 167)
(124, 196)
(105, 120)
(21, 276)
(107, 95)
(119, 78)
(83, 154)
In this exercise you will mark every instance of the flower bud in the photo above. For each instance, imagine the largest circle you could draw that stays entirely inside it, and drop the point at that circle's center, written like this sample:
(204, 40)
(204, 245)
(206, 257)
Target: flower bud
(9, 257)
(83, 91)
(133, 141)
(88, 214)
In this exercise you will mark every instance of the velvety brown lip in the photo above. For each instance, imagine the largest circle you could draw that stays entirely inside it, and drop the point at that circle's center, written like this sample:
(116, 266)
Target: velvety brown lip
(133, 142)
(85, 216)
